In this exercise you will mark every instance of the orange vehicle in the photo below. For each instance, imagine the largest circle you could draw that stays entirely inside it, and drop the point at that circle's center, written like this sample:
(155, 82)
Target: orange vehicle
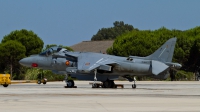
(5, 79)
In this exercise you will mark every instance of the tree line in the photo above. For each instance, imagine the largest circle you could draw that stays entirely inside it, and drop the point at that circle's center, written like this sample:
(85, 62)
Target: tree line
(111, 33)
(132, 41)
(145, 42)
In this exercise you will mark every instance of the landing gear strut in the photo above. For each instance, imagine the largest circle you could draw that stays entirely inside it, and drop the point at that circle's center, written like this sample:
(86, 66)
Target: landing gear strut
(134, 85)
(130, 79)
(94, 85)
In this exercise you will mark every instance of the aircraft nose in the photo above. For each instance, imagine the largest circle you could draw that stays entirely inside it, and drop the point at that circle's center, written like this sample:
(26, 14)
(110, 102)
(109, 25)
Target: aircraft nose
(25, 62)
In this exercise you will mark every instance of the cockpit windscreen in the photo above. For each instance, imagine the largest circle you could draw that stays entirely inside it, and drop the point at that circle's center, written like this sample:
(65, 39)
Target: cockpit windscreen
(50, 51)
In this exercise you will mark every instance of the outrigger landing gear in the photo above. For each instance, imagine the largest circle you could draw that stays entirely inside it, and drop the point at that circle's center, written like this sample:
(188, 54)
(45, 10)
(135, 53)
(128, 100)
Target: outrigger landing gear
(130, 79)
(94, 85)
(134, 85)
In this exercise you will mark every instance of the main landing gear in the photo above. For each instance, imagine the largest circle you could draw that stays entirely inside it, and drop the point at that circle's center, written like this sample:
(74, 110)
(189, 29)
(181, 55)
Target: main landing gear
(108, 84)
(105, 84)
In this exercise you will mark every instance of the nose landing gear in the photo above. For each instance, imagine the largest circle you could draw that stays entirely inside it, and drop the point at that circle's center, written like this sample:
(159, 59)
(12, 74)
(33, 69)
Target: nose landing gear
(69, 82)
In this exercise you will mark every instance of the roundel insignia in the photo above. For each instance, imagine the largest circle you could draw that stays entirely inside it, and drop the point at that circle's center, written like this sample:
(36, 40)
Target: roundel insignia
(87, 64)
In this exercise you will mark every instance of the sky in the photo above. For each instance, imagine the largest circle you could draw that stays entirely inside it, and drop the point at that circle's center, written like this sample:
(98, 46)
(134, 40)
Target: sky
(68, 22)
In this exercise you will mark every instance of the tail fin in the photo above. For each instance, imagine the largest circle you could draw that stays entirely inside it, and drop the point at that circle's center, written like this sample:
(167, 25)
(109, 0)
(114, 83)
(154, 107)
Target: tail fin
(165, 52)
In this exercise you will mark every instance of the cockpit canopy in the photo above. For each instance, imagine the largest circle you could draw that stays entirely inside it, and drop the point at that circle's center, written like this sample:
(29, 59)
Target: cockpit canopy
(52, 50)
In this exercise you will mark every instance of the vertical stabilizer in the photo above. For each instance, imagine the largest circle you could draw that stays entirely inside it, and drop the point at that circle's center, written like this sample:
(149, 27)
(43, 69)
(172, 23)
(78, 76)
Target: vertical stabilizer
(165, 52)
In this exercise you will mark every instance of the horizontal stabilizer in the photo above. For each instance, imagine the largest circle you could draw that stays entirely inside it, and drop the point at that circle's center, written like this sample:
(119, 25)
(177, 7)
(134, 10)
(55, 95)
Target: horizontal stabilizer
(158, 67)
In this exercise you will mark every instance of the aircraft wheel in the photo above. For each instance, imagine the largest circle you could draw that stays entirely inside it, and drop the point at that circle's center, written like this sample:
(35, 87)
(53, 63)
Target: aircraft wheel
(108, 84)
(5, 85)
(39, 81)
(70, 83)
(134, 86)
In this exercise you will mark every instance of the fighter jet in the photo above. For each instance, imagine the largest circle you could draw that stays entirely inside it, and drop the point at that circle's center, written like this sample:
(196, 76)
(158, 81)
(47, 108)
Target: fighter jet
(103, 67)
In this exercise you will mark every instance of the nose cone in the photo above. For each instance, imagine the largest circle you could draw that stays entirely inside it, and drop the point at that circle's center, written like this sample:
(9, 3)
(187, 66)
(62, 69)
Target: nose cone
(25, 62)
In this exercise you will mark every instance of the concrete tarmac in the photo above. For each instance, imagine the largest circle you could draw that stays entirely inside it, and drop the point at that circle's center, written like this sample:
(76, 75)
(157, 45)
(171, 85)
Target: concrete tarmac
(150, 96)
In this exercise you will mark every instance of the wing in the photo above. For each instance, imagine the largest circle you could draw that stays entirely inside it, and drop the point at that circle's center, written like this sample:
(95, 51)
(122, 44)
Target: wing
(90, 61)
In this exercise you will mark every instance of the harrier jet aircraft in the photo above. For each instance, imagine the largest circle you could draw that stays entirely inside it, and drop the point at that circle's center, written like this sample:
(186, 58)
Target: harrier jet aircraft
(106, 68)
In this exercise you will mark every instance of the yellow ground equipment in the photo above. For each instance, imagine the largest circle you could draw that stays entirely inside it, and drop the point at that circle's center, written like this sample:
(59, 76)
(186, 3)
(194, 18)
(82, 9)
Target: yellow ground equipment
(41, 78)
(5, 79)
(44, 81)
